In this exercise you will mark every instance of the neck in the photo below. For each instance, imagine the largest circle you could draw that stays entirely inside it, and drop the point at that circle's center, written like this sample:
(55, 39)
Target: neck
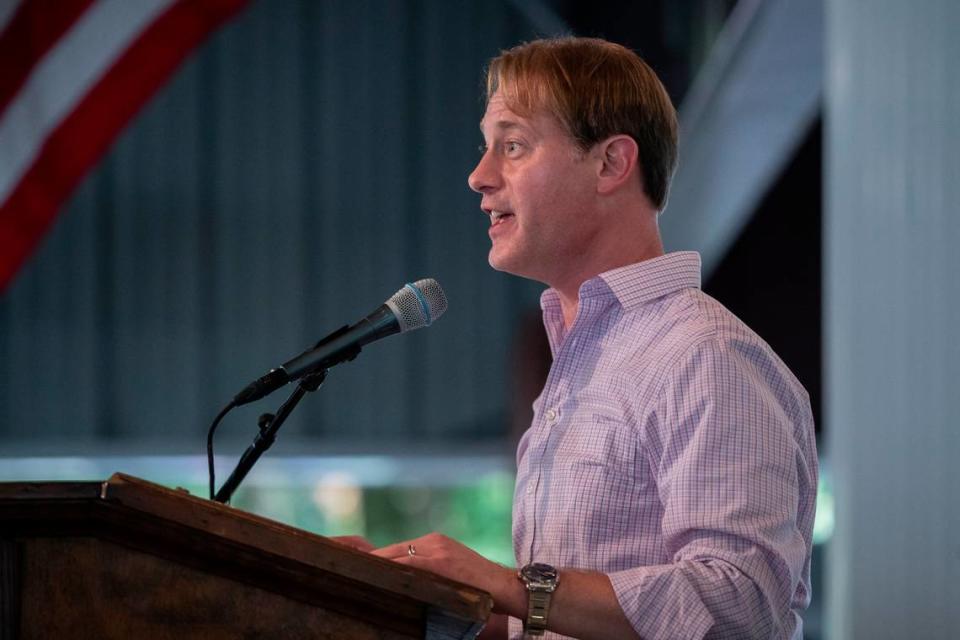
(630, 252)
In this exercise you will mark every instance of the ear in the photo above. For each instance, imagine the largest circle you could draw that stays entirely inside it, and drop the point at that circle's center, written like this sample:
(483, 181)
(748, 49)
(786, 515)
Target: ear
(618, 157)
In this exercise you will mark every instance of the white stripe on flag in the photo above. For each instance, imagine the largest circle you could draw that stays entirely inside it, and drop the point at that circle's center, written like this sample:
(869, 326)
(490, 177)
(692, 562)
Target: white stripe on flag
(7, 9)
(63, 78)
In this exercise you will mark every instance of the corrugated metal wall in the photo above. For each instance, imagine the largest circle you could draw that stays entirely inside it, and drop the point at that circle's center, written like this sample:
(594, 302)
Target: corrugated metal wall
(308, 161)
(892, 311)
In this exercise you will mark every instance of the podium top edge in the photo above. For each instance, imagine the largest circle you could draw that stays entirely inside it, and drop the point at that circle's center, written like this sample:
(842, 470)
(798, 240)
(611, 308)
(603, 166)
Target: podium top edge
(44, 490)
(165, 518)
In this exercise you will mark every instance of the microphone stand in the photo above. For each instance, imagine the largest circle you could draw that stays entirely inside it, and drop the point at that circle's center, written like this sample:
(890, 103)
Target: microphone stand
(269, 425)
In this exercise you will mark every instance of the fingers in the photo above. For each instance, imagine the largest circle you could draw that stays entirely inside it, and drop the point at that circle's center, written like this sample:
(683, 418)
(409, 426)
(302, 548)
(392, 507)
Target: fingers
(446, 557)
(419, 562)
(430, 545)
(394, 553)
(399, 550)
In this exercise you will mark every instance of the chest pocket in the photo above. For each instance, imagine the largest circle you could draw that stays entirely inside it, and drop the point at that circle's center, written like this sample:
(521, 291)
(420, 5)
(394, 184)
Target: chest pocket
(596, 439)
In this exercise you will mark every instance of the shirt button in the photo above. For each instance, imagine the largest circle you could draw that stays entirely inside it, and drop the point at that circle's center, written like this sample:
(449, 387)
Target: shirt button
(551, 415)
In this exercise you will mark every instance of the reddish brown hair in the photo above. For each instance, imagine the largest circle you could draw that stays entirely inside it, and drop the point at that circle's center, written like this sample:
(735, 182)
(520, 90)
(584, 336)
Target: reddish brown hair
(596, 89)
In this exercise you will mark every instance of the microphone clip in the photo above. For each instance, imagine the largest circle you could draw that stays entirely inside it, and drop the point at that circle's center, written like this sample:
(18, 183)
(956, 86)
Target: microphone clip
(269, 424)
(276, 378)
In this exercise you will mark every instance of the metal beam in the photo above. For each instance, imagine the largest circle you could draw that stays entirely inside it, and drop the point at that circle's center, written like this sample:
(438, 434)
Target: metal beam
(745, 115)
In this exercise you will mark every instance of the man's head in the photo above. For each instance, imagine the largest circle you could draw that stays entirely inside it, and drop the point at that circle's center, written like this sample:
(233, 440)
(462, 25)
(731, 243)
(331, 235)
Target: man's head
(595, 89)
(580, 144)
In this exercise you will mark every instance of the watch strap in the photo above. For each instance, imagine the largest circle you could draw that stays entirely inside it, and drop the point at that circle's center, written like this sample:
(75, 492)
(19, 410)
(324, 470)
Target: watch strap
(537, 609)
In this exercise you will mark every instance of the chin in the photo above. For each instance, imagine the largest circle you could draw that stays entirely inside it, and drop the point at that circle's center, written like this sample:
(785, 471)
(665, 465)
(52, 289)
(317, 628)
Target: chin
(503, 262)
(511, 264)
(498, 264)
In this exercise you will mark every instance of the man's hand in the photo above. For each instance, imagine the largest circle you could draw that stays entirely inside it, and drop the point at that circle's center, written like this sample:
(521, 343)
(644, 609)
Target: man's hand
(449, 558)
(584, 604)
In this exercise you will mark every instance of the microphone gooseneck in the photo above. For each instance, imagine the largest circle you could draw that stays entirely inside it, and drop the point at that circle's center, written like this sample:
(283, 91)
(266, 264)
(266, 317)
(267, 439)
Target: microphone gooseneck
(414, 306)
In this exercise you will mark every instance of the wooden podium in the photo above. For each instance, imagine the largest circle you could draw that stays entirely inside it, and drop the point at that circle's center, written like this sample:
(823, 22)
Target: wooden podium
(128, 559)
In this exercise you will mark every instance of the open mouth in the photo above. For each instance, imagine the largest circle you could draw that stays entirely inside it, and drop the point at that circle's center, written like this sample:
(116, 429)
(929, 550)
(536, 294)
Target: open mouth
(499, 217)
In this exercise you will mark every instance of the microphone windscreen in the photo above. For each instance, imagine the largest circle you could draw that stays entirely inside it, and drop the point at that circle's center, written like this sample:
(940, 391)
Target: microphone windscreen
(417, 305)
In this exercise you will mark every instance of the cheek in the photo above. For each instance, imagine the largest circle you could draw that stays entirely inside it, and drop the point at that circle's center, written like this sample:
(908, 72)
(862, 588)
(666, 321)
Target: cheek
(562, 202)
(546, 193)
(551, 201)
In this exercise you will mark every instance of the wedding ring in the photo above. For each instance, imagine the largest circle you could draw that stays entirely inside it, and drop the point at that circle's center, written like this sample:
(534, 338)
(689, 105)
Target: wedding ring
(411, 550)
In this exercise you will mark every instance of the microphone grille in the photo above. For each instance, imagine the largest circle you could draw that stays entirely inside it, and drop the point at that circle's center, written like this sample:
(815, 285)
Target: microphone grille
(418, 304)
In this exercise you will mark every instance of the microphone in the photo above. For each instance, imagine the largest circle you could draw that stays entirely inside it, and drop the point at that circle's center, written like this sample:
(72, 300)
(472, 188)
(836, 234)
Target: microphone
(412, 307)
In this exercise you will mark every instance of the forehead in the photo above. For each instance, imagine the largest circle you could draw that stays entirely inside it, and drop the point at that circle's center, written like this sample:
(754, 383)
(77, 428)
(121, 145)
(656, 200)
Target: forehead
(500, 117)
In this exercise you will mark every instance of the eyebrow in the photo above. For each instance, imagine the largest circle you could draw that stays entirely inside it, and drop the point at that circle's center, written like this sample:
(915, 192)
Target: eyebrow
(504, 125)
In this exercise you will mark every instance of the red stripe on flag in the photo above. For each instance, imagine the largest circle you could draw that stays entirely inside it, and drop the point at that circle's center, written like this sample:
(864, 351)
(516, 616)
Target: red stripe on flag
(32, 31)
(79, 141)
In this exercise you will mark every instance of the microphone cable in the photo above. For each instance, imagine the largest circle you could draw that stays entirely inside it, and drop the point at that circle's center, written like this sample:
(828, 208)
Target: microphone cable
(213, 428)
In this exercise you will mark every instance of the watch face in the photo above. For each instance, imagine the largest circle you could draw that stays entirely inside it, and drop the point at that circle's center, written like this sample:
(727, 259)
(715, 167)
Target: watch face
(538, 572)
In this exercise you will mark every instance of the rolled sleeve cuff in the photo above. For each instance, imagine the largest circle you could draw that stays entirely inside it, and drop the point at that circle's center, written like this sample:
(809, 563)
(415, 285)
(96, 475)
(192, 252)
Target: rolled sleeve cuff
(660, 602)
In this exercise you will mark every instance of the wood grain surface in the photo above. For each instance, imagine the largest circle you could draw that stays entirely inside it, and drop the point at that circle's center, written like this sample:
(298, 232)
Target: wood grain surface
(127, 558)
(105, 591)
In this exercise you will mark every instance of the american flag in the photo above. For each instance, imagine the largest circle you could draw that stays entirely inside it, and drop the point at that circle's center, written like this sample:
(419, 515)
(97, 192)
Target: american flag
(72, 75)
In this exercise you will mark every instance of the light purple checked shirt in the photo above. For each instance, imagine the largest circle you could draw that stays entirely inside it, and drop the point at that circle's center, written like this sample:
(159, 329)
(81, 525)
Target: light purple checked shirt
(674, 451)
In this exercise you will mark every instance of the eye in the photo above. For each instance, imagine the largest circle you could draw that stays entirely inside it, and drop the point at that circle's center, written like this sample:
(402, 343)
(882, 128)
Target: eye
(512, 147)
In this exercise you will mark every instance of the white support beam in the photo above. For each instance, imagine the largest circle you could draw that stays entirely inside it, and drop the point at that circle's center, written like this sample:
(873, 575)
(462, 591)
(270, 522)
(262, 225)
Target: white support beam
(745, 115)
(891, 316)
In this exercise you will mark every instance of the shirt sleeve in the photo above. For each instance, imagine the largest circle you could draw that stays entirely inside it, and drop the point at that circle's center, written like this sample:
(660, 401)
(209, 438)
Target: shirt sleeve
(724, 442)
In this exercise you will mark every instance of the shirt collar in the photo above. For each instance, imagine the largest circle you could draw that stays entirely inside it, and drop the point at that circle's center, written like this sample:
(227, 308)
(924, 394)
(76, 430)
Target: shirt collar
(635, 284)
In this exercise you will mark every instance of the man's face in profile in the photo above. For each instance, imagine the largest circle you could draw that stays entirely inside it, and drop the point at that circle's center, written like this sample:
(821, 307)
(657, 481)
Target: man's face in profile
(537, 188)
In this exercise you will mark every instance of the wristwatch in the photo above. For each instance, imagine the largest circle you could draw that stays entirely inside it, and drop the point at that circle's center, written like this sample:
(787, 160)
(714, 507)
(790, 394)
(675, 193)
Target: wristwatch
(541, 581)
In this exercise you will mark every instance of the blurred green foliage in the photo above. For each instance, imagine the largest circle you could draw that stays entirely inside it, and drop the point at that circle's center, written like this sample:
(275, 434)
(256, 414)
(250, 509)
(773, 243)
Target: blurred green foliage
(477, 513)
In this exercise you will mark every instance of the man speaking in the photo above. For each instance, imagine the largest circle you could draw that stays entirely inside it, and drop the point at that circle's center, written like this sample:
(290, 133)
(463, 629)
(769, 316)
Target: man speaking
(666, 487)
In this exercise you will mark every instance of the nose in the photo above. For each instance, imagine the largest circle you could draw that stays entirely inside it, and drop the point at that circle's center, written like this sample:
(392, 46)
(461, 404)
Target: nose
(485, 176)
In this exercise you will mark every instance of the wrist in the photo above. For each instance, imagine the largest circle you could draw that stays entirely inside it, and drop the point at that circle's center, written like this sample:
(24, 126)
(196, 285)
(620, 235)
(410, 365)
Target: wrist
(540, 581)
(511, 597)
